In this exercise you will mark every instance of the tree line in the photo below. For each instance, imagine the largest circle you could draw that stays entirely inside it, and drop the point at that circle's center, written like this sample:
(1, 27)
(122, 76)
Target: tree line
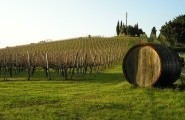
(174, 31)
(171, 33)
(122, 29)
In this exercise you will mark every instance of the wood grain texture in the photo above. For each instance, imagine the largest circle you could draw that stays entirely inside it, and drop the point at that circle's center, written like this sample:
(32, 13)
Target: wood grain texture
(149, 67)
(149, 64)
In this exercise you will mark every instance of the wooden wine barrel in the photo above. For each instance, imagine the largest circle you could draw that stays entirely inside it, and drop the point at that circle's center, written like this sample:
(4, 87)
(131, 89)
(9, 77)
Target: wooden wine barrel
(151, 65)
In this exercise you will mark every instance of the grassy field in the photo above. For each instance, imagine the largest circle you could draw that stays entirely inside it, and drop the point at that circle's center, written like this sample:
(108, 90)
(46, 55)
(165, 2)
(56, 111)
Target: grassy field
(93, 97)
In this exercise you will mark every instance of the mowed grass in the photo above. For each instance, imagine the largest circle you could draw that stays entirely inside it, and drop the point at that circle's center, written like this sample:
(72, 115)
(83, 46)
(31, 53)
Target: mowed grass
(105, 96)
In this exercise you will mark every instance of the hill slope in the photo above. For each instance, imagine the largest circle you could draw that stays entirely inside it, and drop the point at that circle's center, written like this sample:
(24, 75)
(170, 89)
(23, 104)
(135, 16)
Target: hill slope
(82, 55)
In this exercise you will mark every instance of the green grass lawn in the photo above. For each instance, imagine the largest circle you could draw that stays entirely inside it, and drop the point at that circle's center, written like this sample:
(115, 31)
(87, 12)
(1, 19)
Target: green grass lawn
(93, 97)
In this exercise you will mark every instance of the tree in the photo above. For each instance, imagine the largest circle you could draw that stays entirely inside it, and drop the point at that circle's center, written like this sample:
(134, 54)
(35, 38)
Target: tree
(118, 29)
(140, 32)
(152, 34)
(174, 30)
(123, 29)
(136, 29)
(144, 36)
(162, 39)
(130, 30)
(154, 31)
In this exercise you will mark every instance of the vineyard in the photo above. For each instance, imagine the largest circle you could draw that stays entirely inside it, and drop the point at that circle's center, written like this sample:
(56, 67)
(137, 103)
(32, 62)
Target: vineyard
(95, 87)
(67, 57)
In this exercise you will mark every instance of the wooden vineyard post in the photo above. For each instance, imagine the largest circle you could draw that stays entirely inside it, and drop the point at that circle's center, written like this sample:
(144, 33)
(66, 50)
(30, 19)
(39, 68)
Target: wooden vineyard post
(16, 64)
(62, 71)
(11, 70)
(75, 65)
(81, 65)
(98, 67)
(85, 64)
(94, 64)
(66, 68)
(0, 69)
(47, 68)
(5, 69)
(29, 66)
(33, 69)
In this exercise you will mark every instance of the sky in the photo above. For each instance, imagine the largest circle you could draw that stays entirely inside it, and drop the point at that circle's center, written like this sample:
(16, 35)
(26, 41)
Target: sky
(31, 21)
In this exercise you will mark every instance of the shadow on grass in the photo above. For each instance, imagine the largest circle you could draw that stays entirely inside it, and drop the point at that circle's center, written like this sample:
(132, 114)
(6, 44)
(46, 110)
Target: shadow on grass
(178, 85)
(90, 78)
(93, 78)
(102, 78)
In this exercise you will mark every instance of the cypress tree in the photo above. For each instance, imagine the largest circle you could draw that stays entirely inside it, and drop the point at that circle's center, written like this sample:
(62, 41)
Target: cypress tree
(153, 34)
(118, 29)
(123, 29)
(154, 31)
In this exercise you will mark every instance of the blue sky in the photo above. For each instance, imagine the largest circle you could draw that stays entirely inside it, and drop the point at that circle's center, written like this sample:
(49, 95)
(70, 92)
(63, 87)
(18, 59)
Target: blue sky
(30, 21)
